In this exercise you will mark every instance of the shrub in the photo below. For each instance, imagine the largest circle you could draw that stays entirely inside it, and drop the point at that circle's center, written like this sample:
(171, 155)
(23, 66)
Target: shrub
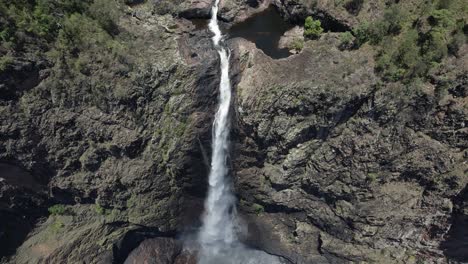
(437, 41)
(442, 18)
(390, 24)
(5, 61)
(58, 209)
(6, 34)
(346, 39)
(101, 210)
(258, 208)
(361, 32)
(297, 44)
(106, 13)
(393, 19)
(312, 28)
(80, 33)
(42, 24)
(410, 46)
(57, 226)
(457, 41)
(401, 58)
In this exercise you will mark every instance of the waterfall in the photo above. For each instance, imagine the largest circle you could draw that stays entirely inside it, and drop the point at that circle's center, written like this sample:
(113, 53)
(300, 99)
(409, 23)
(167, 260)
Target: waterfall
(218, 235)
(218, 230)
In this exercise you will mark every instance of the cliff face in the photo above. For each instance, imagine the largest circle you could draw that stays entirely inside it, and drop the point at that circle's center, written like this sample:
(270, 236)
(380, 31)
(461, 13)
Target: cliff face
(343, 168)
(331, 163)
(117, 149)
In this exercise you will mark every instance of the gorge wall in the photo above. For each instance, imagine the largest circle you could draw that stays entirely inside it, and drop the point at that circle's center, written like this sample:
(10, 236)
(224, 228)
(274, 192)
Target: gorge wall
(331, 163)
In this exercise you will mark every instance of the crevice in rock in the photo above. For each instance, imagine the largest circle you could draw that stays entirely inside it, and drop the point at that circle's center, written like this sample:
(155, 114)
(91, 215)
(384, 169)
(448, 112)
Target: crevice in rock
(133, 3)
(354, 6)
(456, 242)
(22, 202)
(19, 78)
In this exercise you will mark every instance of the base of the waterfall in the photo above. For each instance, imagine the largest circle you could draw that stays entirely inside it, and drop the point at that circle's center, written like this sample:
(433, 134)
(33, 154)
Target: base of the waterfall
(235, 254)
(189, 251)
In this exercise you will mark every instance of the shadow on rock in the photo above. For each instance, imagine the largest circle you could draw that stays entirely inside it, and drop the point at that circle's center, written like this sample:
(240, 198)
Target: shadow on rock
(456, 245)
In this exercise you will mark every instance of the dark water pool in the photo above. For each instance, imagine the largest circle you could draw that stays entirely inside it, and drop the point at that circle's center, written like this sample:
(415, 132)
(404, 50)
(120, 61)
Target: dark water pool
(265, 30)
(200, 24)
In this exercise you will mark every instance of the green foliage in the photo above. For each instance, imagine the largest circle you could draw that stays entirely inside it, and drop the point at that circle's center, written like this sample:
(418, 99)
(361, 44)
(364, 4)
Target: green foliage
(437, 40)
(58, 209)
(312, 28)
(372, 176)
(5, 61)
(338, 2)
(41, 23)
(258, 208)
(443, 18)
(40, 18)
(411, 45)
(362, 33)
(297, 44)
(391, 24)
(73, 25)
(101, 210)
(57, 226)
(80, 32)
(401, 58)
(346, 39)
(106, 13)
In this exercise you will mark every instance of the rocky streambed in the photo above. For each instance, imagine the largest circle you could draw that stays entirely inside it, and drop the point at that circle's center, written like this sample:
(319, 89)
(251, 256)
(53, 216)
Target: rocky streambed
(330, 163)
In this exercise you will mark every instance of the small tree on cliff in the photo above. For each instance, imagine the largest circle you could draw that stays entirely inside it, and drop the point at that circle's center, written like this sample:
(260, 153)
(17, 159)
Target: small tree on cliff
(312, 28)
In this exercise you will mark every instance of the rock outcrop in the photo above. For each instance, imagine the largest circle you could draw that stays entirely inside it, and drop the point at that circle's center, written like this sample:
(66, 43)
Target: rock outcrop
(340, 168)
(121, 152)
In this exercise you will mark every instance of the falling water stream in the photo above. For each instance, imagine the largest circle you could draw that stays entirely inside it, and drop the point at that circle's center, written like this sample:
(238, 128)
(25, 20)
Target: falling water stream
(218, 222)
(217, 237)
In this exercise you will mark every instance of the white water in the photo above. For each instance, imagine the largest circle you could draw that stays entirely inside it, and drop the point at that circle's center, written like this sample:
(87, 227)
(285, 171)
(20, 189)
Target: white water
(218, 230)
(218, 235)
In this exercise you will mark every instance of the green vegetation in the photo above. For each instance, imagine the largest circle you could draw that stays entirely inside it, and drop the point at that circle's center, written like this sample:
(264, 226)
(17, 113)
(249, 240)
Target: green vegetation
(101, 210)
(65, 29)
(58, 209)
(297, 44)
(5, 61)
(312, 28)
(372, 176)
(36, 18)
(258, 208)
(346, 39)
(411, 43)
(57, 226)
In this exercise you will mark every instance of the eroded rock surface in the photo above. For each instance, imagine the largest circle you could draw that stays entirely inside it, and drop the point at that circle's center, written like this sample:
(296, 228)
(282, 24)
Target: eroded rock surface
(340, 168)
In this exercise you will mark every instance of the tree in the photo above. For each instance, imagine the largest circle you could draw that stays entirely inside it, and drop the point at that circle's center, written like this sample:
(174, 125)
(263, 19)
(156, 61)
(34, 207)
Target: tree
(312, 28)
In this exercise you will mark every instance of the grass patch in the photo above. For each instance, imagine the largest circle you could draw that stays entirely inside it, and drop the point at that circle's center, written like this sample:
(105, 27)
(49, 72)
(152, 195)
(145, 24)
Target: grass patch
(58, 209)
